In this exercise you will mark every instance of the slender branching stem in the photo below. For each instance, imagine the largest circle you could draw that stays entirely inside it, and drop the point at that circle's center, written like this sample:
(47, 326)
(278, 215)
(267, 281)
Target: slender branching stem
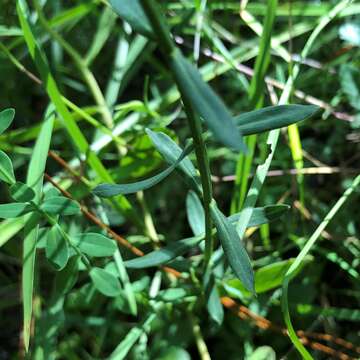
(169, 49)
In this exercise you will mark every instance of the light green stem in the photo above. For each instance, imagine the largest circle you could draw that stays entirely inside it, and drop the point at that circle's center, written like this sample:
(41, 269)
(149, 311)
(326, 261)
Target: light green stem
(168, 49)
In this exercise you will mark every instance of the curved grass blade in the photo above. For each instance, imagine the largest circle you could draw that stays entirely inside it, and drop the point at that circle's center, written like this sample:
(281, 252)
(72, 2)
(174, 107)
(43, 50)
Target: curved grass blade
(6, 118)
(233, 248)
(300, 259)
(35, 181)
(132, 12)
(109, 190)
(205, 102)
(273, 117)
(54, 94)
(14, 210)
(124, 347)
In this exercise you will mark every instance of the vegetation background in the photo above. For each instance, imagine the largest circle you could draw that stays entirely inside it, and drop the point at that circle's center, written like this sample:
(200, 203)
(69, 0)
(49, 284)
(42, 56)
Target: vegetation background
(115, 84)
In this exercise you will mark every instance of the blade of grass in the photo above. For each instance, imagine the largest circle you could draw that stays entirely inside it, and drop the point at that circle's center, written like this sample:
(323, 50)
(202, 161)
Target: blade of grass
(35, 181)
(256, 97)
(299, 260)
(124, 347)
(69, 123)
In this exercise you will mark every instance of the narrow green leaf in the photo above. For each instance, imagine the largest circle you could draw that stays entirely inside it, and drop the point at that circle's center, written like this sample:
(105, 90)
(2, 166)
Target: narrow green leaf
(21, 192)
(132, 12)
(6, 118)
(57, 250)
(206, 103)
(60, 205)
(273, 117)
(262, 215)
(34, 180)
(171, 152)
(109, 190)
(195, 213)
(294, 268)
(130, 339)
(124, 278)
(233, 248)
(94, 244)
(160, 257)
(14, 210)
(6, 169)
(164, 255)
(213, 303)
(105, 282)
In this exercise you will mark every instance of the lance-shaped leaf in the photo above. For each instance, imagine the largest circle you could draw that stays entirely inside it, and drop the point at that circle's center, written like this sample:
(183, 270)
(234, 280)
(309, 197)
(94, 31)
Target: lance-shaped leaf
(164, 255)
(262, 215)
(195, 213)
(213, 303)
(205, 102)
(132, 12)
(57, 250)
(273, 117)
(233, 248)
(6, 169)
(14, 210)
(6, 118)
(170, 151)
(94, 244)
(109, 190)
(60, 205)
(21, 192)
(105, 282)
(160, 257)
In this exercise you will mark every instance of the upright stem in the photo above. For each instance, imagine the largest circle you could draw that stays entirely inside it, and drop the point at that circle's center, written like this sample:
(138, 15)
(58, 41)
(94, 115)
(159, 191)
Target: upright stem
(168, 49)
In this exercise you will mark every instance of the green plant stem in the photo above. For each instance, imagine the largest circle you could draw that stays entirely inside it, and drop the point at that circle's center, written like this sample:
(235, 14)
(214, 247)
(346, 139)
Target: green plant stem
(300, 258)
(200, 342)
(81, 65)
(168, 49)
(148, 220)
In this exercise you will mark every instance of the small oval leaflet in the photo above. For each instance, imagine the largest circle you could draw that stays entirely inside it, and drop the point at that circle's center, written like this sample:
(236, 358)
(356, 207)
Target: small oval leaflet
(6, 169)
(60, 205)
(57, 251)
(94, 244)
(6, 118)
(105, 282)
